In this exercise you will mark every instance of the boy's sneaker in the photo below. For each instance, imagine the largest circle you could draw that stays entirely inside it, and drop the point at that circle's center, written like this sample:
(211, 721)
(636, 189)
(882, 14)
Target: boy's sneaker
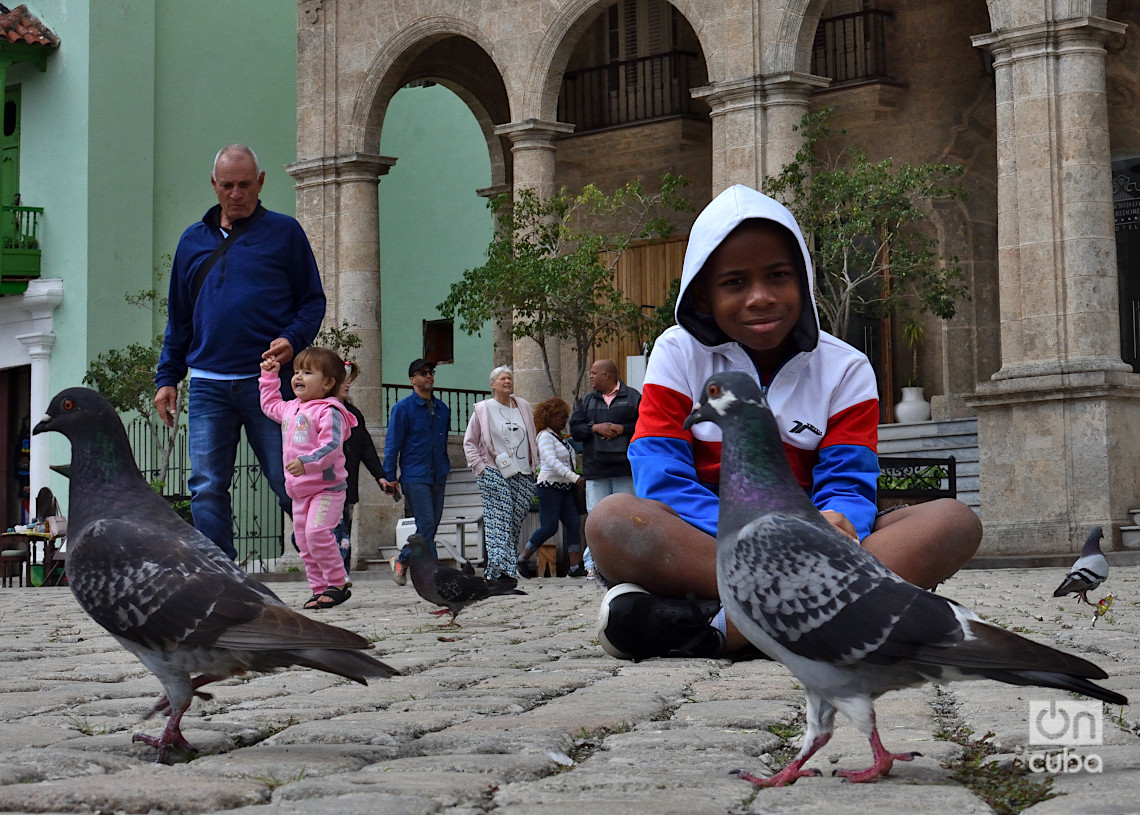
(399, 571)
(634, 624)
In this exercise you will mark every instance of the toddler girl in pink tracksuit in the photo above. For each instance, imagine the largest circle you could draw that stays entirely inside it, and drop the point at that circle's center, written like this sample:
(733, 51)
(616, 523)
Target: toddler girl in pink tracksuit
(313, 429)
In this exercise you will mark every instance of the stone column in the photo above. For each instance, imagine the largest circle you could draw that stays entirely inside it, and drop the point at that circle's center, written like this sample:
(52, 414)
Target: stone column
(533, 158)
(1056, 424)
(503, 352)
(39, 303)
(753, 123)
(338, 204)
(39, 347)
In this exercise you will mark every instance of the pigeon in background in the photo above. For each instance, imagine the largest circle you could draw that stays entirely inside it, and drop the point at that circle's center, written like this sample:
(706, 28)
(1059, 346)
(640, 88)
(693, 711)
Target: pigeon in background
(847, 627)
(448, 587)
(1089, 570)
(166, 592)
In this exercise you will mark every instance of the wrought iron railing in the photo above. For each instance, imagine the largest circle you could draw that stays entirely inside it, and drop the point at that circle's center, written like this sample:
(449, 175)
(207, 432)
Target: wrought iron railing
(259, 521)
(627, 91)
(461, 403)
(852, 47)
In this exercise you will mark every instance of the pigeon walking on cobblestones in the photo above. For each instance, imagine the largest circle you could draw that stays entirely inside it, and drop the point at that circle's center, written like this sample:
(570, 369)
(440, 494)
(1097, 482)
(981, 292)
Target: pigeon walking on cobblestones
(847, 627)
(1089, 570)
(448, 587)
(165, 591)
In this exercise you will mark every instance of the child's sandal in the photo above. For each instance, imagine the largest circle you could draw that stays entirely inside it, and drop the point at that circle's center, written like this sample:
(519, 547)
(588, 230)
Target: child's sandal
(312, 602)
(335, 596)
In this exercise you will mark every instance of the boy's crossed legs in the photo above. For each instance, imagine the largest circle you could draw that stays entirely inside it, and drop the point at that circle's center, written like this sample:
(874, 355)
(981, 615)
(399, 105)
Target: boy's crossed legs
(640, 541)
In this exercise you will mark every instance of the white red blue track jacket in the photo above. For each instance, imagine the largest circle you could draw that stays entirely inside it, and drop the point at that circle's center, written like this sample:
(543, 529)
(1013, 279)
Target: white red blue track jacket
(824, 397)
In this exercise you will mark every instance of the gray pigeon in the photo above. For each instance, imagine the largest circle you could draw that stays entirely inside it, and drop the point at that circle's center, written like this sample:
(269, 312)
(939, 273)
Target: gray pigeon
(1089, 571)
(449, 587)
(164, 590)
(847, 627)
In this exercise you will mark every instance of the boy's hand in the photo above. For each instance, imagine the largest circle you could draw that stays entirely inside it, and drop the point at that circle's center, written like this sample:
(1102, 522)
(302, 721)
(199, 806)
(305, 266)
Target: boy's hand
(295, 467)
(840, 522)
(271, 365)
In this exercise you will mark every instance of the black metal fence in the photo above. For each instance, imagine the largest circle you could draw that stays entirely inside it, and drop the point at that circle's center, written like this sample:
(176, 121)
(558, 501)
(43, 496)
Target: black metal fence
(852, 47)
(460, 402)
(259, 522)
(627, 91)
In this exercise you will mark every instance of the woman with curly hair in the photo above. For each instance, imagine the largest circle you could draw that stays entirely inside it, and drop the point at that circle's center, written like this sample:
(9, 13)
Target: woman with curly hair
(557, 483)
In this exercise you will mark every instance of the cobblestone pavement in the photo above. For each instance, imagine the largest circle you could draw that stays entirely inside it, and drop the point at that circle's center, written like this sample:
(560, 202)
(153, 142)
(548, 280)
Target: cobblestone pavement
(519, 711)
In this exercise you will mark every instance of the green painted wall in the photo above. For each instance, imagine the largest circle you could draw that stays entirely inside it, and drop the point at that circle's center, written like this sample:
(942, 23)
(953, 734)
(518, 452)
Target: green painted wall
(225, 72)
(433, 226)
(117, 140)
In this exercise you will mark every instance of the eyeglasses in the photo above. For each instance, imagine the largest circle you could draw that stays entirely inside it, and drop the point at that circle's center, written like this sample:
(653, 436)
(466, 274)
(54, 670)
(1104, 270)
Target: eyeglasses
(426, 372)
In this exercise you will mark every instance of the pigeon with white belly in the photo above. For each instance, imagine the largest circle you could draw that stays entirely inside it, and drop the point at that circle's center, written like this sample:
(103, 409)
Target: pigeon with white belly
(847, 627)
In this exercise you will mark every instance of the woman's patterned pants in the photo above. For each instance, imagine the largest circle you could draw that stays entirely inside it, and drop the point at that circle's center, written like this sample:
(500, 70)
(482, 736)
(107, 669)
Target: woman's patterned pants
(506, 502)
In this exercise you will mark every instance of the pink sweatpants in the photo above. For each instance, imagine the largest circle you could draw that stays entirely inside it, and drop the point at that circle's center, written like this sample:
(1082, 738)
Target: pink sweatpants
(314, 518)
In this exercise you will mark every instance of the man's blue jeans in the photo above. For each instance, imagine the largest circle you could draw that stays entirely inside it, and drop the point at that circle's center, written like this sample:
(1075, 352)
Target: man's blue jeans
(219, 409)
(426, 503)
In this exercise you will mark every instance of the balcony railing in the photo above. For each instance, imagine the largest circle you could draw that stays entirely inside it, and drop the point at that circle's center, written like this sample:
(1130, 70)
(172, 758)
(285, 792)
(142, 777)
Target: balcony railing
(460, 402)
(632, 90)
(19, 247)
(851, 47)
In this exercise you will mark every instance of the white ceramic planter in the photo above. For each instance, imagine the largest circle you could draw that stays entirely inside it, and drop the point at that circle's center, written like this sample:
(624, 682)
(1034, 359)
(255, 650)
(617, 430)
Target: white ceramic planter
(913, 407)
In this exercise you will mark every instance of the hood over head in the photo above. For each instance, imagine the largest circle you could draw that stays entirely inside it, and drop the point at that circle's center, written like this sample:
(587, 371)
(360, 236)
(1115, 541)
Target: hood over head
(723, 214)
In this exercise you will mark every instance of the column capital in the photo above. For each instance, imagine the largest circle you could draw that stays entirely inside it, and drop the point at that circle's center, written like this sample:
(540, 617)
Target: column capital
(338, 169)
(1047, 34)
(39, 344)
(533, 132)
(754, 91)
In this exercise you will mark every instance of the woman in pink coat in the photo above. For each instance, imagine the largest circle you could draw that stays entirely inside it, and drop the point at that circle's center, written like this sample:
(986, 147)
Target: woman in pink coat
(313, 429)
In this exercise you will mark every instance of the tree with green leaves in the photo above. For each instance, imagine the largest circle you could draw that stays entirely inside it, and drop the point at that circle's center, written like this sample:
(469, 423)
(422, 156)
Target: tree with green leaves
(550, 265)
(863, 223)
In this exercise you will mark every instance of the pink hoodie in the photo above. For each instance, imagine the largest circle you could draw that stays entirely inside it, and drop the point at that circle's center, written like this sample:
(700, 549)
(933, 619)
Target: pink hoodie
(312, 431)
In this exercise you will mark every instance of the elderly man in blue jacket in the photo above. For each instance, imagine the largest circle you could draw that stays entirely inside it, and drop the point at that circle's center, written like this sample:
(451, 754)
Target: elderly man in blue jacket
(244, 287)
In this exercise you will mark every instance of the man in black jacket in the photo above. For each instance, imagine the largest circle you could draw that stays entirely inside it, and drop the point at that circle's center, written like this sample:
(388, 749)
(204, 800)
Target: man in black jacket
(604, 420)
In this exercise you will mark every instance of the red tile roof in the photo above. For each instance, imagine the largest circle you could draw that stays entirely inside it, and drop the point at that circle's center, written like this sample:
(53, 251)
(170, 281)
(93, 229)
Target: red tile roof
(20, 25)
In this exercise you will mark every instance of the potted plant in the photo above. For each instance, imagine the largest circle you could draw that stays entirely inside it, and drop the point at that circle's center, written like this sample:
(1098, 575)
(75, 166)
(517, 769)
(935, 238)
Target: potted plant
(913, 407)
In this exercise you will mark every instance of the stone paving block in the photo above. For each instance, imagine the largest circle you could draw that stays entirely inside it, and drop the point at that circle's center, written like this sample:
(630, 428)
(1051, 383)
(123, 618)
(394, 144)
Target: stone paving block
(519, 711)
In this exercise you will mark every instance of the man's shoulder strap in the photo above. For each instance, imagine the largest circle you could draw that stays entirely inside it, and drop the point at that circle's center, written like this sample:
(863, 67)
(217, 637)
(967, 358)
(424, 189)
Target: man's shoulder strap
(239, 229)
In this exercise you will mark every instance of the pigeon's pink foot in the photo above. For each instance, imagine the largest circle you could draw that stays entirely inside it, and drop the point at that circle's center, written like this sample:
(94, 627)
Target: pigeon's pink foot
(786, 776)
(882, 766)
(171, 737)
(439, 612)
(792, 772)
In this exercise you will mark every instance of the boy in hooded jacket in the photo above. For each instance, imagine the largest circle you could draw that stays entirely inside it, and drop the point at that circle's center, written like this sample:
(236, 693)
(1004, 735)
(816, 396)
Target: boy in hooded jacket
(746, 304)
(314, 427)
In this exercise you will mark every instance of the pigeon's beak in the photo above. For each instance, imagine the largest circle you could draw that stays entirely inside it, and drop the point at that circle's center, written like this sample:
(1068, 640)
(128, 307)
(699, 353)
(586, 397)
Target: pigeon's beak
(43, 426)
(696, 417)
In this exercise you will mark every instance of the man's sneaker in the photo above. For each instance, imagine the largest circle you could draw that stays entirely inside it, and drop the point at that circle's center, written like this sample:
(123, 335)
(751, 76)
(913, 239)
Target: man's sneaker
(526, 568)
(399, 571)
(634, 624)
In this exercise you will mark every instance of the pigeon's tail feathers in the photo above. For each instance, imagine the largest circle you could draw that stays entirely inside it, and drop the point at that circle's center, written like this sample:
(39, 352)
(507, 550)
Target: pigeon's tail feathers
(496, 589)
(350, 664)
(987, 647)
(1078, 581)
(1061, 681)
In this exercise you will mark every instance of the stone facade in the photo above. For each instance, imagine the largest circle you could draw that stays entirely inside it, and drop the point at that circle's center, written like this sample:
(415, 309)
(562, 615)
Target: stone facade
(1035, 100)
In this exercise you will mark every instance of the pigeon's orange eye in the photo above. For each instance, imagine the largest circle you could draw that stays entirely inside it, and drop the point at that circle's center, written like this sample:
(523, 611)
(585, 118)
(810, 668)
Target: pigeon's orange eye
(67, 404)
(714, 390)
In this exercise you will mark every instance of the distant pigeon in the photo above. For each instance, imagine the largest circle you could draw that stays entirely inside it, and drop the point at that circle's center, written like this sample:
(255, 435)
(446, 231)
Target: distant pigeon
(1089, 570)
(164, 590)
(847, 627)
(449, 587)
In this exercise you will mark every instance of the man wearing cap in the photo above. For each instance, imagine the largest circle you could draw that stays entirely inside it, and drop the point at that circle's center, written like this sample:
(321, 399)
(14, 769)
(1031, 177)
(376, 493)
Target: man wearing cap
(415, 457)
